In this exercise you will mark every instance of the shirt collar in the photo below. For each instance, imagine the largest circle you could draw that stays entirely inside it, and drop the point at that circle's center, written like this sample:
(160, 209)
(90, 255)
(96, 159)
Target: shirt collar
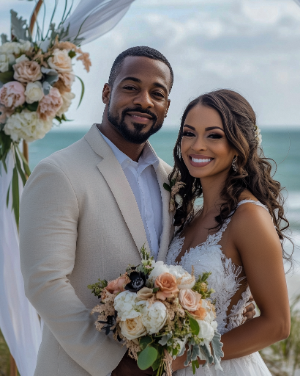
(147, 158)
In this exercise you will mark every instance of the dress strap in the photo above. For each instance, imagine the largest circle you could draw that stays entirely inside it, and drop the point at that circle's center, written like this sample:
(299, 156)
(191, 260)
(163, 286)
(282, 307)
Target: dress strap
(257, 203)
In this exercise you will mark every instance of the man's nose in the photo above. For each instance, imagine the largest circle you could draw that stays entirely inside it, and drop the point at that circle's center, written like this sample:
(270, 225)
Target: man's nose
(143, 99)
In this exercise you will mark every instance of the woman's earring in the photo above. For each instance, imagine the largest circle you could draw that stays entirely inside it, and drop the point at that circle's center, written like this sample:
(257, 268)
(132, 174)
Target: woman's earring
(233, 164)
(178, 152)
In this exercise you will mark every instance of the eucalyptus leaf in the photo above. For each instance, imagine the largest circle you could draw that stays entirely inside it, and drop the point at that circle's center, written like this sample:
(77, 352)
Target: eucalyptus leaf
(50, 75)
(4, 38)
(195, 352)
(19, 27)
(6, 76)
(217, 350)
(15, 195)
(147, 357)
(164, 339)
(46, 87)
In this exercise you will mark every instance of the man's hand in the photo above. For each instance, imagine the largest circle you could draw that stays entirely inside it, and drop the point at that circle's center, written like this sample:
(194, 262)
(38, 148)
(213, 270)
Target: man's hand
(249, 311)
(129, 367)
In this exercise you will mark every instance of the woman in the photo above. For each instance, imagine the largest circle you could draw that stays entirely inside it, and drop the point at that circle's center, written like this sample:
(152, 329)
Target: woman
(236, 234)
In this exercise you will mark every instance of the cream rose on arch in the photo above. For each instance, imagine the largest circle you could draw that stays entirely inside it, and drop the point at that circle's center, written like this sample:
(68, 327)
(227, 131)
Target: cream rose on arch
(60, 61)
(5, 60)
(67, 98)
(34, 92)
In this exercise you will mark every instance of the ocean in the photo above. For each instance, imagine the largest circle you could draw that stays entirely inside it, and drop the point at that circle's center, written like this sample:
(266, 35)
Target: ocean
(281, 145)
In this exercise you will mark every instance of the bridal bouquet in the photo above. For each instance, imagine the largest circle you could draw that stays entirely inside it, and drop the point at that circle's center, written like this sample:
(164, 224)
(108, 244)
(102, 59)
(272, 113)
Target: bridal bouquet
(36, 77)
(160, 311)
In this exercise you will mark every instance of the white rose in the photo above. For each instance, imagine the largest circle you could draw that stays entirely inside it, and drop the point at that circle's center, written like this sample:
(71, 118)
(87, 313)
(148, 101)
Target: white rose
(25, 45)
(15, 47)
(186, 280)
(206, 332)
(159, 268)
(5, 60)
(26, 125)
(34, 92)
(127, 305)
(210, 314)
(154, 317)
(133, 328)
(67, 98)
(22, 58)
(60, 61)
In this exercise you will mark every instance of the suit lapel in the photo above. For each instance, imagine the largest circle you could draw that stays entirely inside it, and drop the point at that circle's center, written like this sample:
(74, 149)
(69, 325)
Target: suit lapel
(167, 232)
(113, 173)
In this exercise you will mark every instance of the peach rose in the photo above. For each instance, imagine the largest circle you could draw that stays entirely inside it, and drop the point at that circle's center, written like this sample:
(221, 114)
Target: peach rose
(200, 312)
(12, 94)
(145, 293)
(50, 104)
(189, 299)
(117, 285)
(167, 286)
(27, 71)
(60, 61)
(65, 81)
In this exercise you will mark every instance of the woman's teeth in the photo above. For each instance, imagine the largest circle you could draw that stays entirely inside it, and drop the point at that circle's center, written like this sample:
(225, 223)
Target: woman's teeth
(201, 160)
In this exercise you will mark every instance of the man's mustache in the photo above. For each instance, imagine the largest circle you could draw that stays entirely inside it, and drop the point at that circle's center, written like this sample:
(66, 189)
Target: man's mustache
(140, 110)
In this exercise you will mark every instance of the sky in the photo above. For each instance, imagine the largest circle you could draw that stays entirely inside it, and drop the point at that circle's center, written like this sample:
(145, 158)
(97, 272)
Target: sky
(250, 46)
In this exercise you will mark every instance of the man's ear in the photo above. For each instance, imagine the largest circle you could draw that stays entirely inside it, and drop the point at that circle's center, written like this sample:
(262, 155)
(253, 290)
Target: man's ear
(106, 93)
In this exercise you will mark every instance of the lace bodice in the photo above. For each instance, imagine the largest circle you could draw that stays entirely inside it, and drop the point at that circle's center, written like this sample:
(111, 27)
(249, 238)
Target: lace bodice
(225, 278)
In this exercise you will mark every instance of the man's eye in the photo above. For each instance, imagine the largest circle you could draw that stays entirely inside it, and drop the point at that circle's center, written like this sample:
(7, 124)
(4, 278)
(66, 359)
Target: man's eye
(215, 135)
(187, 134)
(129, 87)
(159, 94)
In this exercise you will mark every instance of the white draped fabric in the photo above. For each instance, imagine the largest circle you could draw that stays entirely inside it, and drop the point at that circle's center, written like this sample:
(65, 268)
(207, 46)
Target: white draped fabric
(93, 18)
(19, 321)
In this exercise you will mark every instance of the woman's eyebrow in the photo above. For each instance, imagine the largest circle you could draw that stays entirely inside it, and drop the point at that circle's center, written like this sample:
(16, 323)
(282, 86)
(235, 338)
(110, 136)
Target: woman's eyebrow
(189, 126)
(211, 128)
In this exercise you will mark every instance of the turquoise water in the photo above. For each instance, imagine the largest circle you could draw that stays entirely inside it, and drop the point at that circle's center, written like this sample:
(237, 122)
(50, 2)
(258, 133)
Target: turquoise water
(282, 146)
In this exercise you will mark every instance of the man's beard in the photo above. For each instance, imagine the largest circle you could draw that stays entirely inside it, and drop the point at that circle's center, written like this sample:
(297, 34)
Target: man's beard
(135, 136)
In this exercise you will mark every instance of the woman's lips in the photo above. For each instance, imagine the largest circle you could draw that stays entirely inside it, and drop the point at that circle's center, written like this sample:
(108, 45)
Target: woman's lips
(199, 160)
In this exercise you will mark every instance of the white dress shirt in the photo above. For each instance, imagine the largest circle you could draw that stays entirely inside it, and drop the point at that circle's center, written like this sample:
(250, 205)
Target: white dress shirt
(142, 178)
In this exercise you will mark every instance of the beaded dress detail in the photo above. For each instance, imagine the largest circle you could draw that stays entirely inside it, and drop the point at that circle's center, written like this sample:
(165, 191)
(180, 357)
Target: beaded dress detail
(225, 280)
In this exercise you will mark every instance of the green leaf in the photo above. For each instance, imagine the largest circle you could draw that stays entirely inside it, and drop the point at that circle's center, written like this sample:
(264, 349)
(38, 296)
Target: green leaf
(72, 54)
(147, 357)
(25, 164)
(32, 106)
(156, 364)
(15, 195)
(155, 290)
(6, 76)
(19, 168)
(194, 326)
(82, 90)
(167, 187)
(145, 341)
(7, 196)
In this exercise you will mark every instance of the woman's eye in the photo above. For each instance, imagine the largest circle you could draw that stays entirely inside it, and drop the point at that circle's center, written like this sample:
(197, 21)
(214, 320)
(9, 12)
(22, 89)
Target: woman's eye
(215, 135)
(187, 134)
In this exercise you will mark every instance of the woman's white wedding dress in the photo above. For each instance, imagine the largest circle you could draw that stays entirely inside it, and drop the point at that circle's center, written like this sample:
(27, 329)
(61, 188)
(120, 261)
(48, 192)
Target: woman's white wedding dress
(225, 280)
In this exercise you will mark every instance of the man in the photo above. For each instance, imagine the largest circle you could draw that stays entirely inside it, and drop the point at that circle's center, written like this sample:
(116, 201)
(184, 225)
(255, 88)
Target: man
(87, 210)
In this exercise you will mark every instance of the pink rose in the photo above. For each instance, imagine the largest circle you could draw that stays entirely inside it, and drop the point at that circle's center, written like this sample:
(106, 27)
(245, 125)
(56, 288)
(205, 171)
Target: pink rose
(50, 104)
(12, 94)
(189, 299)
(117, 285)
(27, 71)
(167, 286)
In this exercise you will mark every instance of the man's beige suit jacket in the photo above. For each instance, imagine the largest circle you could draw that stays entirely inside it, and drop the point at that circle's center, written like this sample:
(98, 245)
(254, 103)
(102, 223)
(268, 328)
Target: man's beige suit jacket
(79, 221)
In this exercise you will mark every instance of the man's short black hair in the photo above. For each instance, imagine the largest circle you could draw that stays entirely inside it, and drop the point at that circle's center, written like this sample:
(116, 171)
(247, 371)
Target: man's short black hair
(149, 52)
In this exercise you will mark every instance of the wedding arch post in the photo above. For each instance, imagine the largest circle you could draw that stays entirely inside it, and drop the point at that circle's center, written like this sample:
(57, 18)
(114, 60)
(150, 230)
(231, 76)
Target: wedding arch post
(13, 366)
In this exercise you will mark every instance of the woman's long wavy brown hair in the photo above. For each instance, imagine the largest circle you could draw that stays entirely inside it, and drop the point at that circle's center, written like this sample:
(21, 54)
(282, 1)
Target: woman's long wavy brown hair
(253, 169)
